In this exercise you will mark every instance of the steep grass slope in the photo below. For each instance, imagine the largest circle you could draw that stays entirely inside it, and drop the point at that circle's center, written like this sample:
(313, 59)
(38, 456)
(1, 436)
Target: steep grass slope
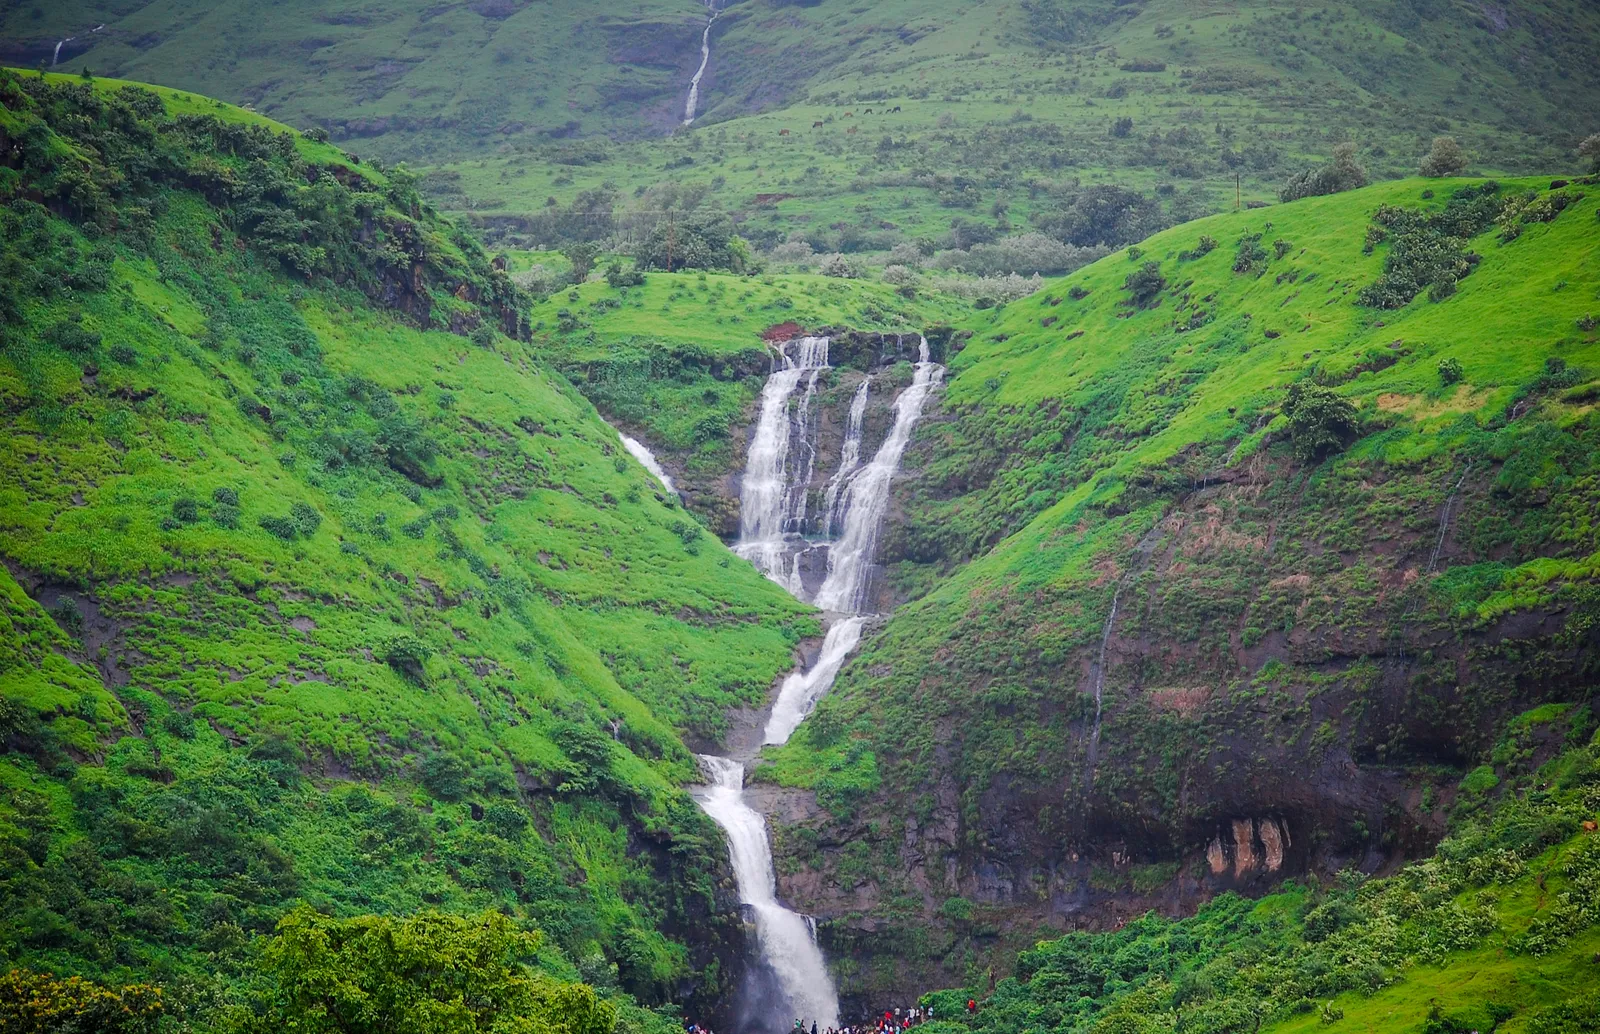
(306, 598)
(1265, 545)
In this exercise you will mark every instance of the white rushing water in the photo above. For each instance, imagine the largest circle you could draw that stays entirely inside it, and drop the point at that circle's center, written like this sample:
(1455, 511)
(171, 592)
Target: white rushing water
(772, 515)
(647, 460)
(764, 494)
(785, 937)
(802, 689)
(692, 108)
(849, 459)
(55, 59)
(865, 499)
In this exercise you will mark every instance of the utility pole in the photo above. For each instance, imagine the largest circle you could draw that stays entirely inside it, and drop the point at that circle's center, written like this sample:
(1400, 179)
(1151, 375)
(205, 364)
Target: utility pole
(672, 237)
(1238, 192)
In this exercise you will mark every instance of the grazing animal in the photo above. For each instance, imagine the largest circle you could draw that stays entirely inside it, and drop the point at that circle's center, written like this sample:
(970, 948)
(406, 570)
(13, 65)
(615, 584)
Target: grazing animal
(849, 114)
(867, 112)
(851, 131)
(816, 125)
(895, 110)
(783, 132)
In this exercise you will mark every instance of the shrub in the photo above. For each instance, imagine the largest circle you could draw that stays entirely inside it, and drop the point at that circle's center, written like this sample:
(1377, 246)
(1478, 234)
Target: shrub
(1204, 246)
(1145, 285)
(483, 335)
(445, 776)
(305, 518)
(226, 496)
(282, 527)
(1320, 421)
(836, 265)
(1449, 370)
(124, 355)
(408, 655)
(618, 277)
(1342, 173)
(1251, 256)
(1445, 158)
(185, 510)
(898, 276)
(1587, 322)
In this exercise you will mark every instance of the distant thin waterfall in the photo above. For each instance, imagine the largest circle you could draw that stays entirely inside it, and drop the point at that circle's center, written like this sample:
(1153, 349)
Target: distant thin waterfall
(849, 457)
(692, 108)
(765, 491)
(55, 59)
(788, 940)
(866, 498)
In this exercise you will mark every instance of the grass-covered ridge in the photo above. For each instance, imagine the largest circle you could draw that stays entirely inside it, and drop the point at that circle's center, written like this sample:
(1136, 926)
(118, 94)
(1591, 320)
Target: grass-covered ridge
(307, 598)
(1181, 595)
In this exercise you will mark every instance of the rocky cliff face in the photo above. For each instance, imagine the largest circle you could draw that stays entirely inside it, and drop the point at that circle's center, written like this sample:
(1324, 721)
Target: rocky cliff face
(1251, 686)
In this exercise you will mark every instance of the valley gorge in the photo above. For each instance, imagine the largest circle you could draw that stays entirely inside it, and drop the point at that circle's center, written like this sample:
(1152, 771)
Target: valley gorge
(782, 517)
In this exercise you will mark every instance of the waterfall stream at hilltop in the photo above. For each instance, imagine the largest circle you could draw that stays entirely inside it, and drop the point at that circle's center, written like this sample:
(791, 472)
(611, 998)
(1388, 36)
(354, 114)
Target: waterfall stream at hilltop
(692, 107)
(779, 466)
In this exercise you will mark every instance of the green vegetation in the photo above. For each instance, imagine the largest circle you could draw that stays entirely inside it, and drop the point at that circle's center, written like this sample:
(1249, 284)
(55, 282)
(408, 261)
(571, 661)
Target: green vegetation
(322, 590)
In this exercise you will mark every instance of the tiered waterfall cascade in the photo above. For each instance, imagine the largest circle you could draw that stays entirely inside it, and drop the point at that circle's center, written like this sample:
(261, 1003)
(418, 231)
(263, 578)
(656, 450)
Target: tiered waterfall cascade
(778, 470)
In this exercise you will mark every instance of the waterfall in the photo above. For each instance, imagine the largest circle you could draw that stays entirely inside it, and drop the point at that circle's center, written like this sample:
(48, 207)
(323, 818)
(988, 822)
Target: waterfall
(772, 513)
(786, 939)
(802, 689)
(693, 106)
(647, 460)
(849, 458)
(764, 494)
(55, 59)
(1100, 678)
(866, 498)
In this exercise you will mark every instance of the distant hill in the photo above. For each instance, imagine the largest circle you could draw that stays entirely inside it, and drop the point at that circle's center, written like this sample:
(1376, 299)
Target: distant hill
(978, 111)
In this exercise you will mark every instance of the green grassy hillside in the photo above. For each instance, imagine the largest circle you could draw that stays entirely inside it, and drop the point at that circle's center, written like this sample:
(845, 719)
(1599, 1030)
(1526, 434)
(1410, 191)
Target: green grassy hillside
(309, 599)
(1265, 524)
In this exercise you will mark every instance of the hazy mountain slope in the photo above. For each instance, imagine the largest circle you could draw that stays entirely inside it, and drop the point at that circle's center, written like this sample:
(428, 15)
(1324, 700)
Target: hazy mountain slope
(998, 102)
(1190, 654)
(1001, 126)
(306, 598)
(404, 79)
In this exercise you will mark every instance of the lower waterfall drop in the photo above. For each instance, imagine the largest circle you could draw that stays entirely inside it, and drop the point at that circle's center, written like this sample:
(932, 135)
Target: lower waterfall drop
(787, 940)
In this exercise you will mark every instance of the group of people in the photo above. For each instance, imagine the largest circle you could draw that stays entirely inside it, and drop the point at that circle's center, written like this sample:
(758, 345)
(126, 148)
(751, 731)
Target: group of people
(893, 1021)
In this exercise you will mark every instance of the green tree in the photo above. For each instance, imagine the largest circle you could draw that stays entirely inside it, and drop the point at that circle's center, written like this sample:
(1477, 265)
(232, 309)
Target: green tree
(432, 973)
(38, 1003)
(1590, 149)
(582, 258)
(700, 240)
(1445, 158)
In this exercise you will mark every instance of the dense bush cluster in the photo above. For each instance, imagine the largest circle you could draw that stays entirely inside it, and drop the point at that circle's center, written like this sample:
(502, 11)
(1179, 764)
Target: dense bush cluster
(1429, 251)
